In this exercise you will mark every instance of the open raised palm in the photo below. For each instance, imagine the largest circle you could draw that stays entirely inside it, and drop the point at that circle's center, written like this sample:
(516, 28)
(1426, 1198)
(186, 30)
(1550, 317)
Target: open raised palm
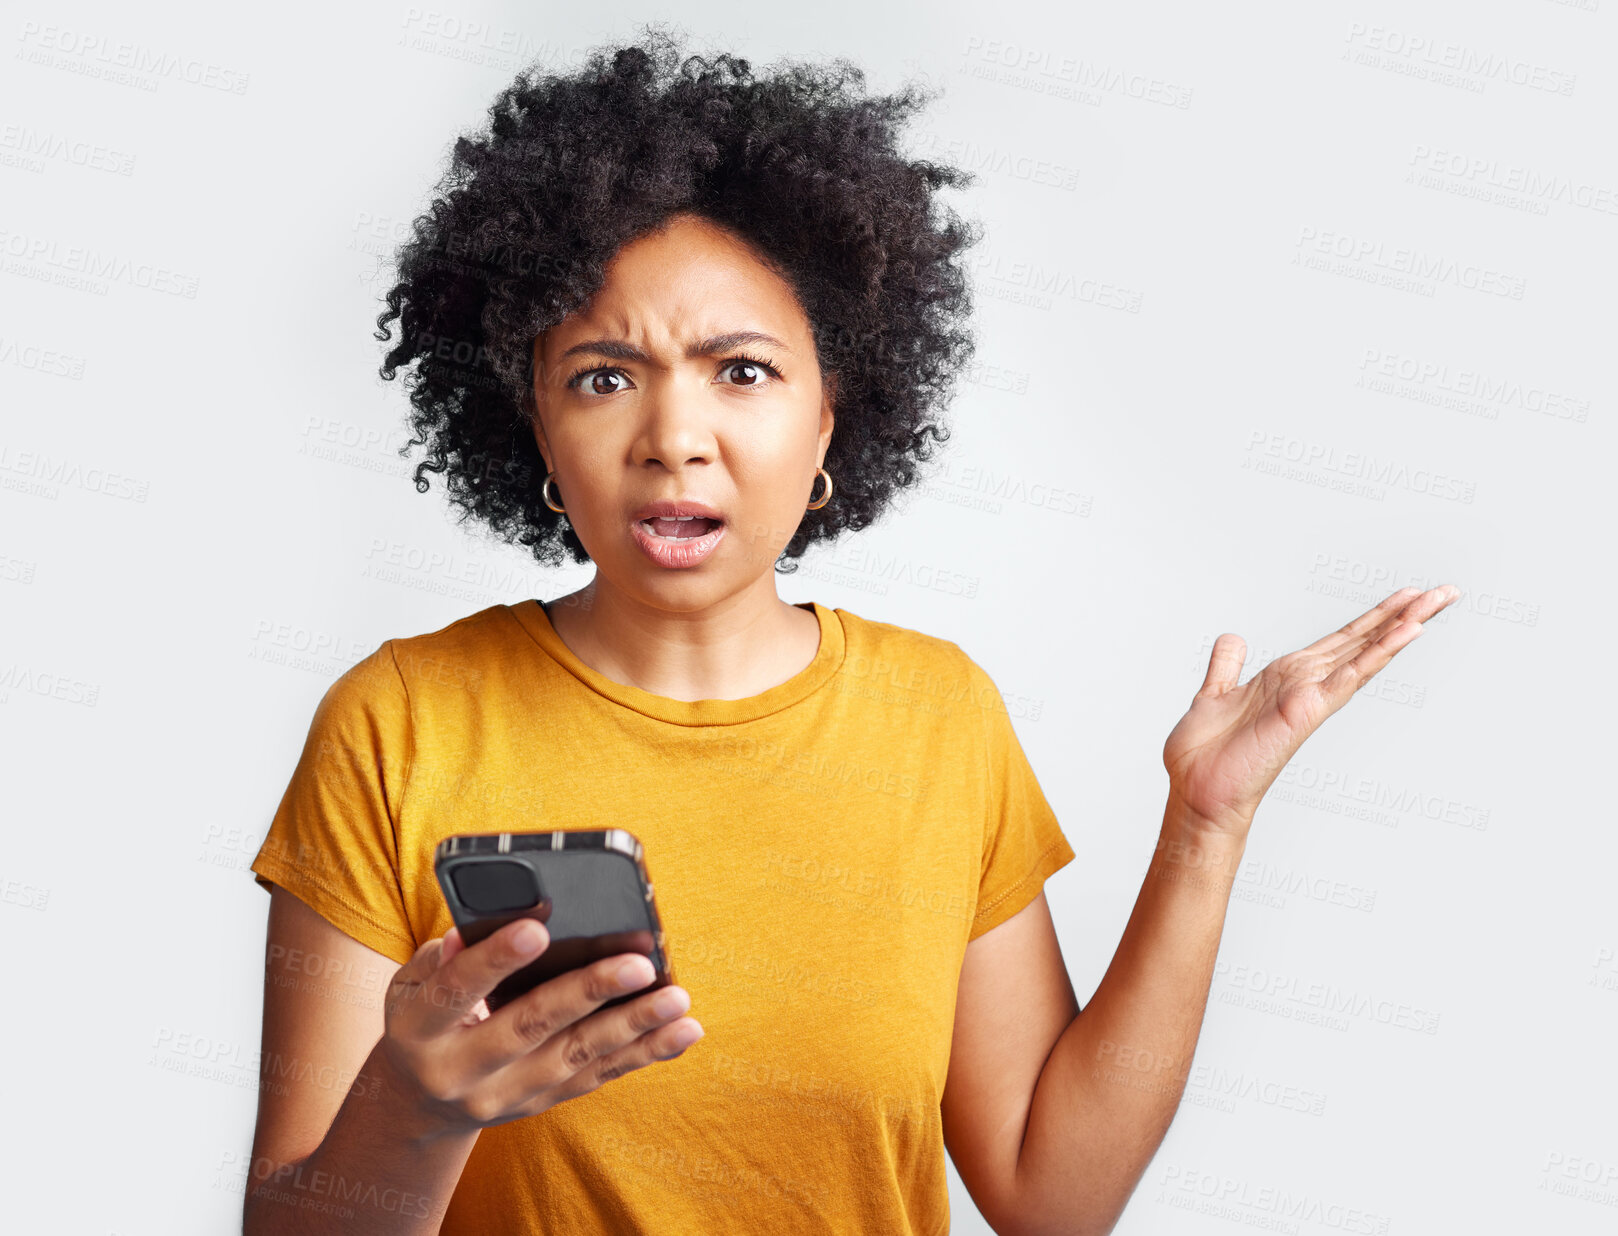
(1229, 748)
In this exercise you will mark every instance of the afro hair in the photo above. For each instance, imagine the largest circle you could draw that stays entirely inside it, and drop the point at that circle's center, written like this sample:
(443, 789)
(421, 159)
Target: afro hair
(800, 163)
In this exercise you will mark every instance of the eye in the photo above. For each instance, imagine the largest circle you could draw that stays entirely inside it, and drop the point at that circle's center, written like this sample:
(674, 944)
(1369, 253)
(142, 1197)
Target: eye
(746, 372)
(749, 371)
(595, 376)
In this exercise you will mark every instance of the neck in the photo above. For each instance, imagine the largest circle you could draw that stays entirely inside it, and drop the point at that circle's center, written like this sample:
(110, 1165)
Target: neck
(739, 646)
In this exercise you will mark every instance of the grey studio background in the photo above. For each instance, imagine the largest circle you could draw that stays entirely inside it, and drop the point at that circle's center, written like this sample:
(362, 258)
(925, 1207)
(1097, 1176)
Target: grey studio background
(1280, 308)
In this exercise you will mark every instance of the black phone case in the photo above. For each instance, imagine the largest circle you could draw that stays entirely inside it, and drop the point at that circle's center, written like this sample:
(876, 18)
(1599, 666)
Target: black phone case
(596, 901)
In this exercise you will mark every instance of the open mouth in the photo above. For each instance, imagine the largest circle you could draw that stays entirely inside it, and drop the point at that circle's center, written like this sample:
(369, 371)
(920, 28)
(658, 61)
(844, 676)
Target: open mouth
(687, 528)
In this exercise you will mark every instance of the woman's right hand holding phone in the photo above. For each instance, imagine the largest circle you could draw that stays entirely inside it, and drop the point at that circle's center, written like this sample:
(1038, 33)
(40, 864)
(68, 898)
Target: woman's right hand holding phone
(465, 1068)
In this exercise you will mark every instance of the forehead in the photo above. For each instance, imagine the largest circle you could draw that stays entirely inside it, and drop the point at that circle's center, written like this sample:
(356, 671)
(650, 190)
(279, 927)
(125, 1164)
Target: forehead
(691, 277)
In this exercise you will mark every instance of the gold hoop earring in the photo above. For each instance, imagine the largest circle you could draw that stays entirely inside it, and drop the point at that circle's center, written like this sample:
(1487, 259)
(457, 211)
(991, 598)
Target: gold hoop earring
(545, 493)
(815, 506)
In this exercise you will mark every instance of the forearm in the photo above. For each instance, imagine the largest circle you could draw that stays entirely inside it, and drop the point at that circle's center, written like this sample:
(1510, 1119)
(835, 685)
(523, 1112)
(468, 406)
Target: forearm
(1113, 1082)
(379, 1169)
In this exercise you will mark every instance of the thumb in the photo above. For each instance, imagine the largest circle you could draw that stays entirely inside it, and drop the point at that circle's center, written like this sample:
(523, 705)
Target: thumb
(1224, 664)
(452, 944)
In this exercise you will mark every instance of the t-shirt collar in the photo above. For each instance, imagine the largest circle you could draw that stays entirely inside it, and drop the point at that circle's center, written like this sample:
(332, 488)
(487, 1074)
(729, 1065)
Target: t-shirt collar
(827, 660)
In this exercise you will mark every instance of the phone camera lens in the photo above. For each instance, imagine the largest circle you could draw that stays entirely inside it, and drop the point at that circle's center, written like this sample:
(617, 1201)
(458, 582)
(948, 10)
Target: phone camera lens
(496, 886)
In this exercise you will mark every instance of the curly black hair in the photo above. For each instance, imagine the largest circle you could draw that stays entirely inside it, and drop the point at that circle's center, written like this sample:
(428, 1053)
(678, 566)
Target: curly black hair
(801, 164)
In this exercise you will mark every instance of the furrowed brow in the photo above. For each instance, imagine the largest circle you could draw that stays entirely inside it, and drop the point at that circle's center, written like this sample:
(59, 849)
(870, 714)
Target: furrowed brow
(715, 344)
(617, 349)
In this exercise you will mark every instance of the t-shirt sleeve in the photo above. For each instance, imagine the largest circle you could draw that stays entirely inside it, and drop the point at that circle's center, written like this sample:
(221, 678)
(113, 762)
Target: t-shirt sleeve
(334, 841)
(1022, 842)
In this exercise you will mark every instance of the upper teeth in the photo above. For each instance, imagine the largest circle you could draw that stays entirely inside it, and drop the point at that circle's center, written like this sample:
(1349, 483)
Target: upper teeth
(679, 519)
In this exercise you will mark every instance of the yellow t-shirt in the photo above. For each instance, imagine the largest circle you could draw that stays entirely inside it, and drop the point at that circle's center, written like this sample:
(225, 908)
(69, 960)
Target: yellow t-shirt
(822, 854)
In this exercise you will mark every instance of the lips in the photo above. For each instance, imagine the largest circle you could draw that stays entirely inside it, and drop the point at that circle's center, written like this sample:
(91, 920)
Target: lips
(679, 519)
(681, 529)
(674, 542)
(674, 508)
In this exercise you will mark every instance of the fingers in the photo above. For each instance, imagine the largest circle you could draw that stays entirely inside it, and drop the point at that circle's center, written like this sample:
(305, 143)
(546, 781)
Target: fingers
(1224, 664)
(1417, 609)
(463, 1067)
(534, 1018)
(452, 944)
(1352, 675)
(598, 1049)
(1363, 625)
(1431, 602)
(451, 989)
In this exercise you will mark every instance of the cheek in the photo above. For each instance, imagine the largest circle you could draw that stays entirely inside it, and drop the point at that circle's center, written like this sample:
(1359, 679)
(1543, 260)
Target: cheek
(772, 480)
(776, 453)
(589, 462)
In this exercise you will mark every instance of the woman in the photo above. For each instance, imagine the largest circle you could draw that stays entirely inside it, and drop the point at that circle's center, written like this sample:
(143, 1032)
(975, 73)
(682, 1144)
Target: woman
(683, 322)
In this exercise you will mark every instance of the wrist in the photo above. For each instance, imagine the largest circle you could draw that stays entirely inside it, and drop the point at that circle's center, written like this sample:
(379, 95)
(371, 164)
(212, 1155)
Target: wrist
(409, 1112)
(1222, 828)
(1196, 850)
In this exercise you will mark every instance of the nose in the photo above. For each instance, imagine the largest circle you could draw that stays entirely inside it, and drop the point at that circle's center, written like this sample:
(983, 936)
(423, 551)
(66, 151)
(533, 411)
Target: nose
(675, 428)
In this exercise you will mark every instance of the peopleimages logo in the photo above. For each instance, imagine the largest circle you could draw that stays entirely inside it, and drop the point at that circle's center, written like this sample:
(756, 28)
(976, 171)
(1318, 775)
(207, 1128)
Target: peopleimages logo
(1459, 59)
(1314, 244)
(1288, 989)
(32, 148)
(1015, 165)
(1261, 1205)
(1041, 285)
(1357, 465)
(84, 267)
(94, 55)
(1494, 174)
(1043, 68)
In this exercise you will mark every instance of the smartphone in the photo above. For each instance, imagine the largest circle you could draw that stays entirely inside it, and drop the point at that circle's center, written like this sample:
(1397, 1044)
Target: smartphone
(590, 888)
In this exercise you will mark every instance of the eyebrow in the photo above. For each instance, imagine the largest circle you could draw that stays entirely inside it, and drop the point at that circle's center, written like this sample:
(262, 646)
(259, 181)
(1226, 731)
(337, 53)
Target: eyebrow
(617, 349)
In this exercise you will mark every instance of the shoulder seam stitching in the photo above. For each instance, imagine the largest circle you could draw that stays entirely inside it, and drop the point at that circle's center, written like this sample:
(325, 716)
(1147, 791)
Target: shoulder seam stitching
(988, 770)
(303, 877)
(1021, 884)
(410, 768)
